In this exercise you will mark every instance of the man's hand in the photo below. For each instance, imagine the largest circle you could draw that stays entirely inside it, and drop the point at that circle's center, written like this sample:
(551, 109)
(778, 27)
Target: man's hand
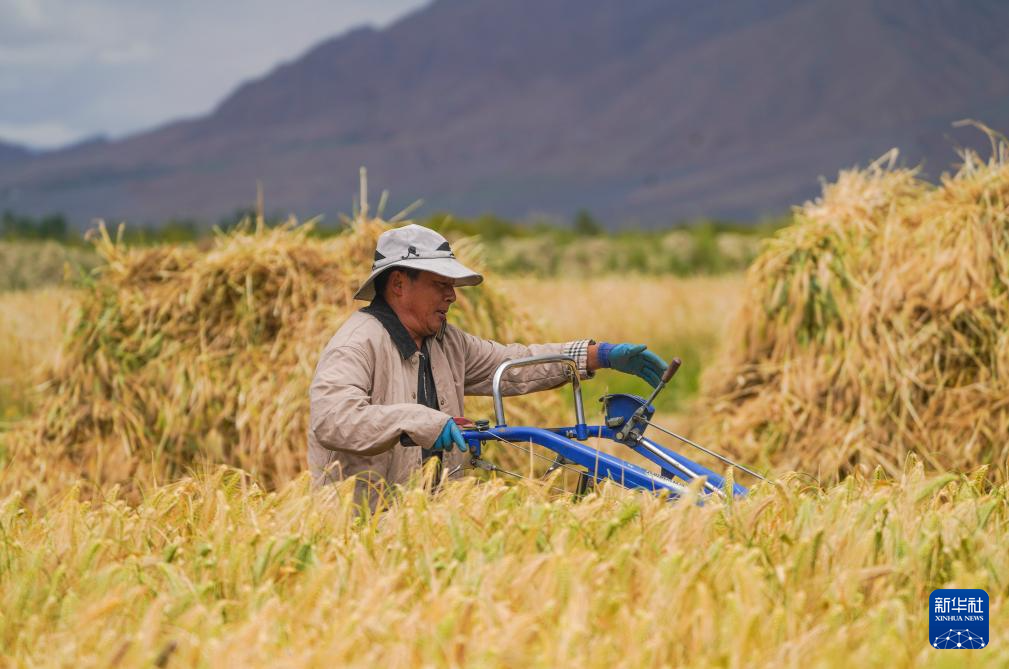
(632, 359)
(450, 436)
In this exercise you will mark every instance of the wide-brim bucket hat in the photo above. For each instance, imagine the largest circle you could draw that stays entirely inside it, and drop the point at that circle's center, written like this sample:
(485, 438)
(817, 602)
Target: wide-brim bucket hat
(416, 247)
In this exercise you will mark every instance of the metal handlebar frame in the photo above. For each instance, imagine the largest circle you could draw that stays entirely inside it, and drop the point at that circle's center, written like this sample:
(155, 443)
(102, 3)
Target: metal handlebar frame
(499, 414)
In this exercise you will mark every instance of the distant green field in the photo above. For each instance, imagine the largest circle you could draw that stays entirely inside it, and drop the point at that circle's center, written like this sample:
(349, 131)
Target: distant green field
(26, 265)
(509, 249)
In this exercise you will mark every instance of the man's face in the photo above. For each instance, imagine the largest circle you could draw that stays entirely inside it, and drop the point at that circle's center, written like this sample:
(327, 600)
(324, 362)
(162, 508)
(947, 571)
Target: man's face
(424, 302)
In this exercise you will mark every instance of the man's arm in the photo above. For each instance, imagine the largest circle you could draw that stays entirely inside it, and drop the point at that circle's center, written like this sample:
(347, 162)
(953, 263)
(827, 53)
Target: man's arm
(343, 417)
(592, 358)
(483, 356)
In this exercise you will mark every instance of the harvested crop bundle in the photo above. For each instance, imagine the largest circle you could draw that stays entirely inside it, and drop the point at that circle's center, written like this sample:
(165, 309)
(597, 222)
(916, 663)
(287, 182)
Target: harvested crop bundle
(875, 327)
(180, 356)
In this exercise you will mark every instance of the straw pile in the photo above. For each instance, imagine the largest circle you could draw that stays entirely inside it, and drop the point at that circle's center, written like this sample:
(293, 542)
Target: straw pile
(875, 327)
(181, 355)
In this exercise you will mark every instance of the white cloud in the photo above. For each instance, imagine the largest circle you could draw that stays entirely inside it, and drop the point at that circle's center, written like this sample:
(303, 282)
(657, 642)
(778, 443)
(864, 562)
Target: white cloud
(134, 52)
(27, 12)
(43, 135)
(43, 55)
(119, 66)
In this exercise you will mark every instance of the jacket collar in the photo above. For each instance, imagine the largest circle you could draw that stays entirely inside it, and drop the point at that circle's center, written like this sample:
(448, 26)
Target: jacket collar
(381, 310)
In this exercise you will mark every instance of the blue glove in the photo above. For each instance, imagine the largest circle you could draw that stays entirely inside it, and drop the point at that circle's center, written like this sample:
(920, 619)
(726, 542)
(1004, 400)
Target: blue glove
(450, 436)
(632, 359)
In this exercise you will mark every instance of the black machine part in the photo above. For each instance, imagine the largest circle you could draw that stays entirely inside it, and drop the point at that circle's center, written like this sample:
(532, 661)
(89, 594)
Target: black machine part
(632, 428)
(637, 422)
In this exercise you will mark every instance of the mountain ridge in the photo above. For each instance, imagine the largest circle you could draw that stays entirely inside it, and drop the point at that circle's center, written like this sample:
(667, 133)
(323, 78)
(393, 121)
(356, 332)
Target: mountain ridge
(648, 113)
(12, 153)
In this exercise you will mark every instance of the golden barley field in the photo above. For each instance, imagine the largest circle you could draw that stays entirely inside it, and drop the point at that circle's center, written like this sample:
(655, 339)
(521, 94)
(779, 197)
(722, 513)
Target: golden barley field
(215, 571)
(153, 509)
(31, 333)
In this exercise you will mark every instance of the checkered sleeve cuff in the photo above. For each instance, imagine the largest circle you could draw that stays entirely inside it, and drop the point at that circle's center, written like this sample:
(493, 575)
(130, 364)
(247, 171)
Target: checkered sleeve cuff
(579, 350)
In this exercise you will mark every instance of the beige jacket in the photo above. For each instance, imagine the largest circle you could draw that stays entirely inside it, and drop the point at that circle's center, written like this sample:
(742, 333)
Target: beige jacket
(364, 397)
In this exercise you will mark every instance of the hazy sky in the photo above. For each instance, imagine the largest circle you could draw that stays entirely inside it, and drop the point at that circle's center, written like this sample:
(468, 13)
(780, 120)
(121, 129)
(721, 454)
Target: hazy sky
(71, 69)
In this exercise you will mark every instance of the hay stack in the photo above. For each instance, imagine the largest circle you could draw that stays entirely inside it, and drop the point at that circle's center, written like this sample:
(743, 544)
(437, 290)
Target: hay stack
(874, 327)
(180, 356)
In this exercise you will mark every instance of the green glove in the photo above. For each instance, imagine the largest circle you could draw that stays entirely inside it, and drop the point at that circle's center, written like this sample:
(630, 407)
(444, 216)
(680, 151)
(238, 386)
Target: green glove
(632, 359)
(450, 436)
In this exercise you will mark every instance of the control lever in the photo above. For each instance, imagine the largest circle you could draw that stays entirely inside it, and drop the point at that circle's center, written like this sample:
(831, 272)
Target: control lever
(637, 418)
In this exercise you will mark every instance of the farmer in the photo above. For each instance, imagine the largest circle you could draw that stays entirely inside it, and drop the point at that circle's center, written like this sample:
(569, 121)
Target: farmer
(388, 391)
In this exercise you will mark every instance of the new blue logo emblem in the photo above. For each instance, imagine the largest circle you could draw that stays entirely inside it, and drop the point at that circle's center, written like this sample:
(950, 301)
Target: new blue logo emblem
(958, 619)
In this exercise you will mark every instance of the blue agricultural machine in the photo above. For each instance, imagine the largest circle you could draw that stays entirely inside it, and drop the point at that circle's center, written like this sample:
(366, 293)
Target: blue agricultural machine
(626, 419)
